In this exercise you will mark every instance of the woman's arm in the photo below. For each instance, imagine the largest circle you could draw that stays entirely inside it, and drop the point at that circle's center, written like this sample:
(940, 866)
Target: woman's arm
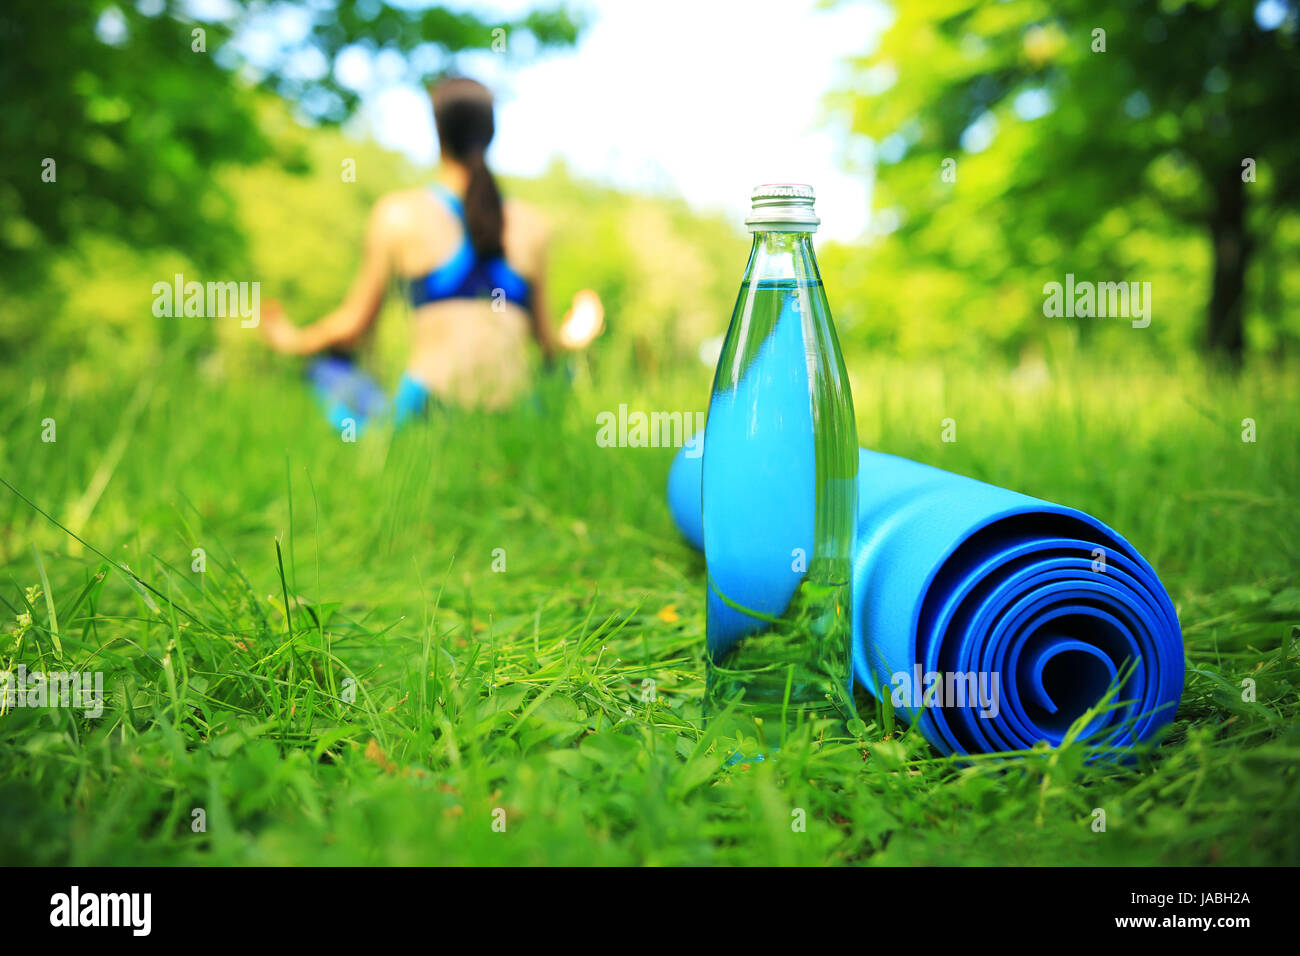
(581, 324)
(359, 307)
(539, 312)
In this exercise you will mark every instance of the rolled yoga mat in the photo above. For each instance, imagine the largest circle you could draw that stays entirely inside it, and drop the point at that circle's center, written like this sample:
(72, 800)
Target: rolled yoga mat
(953, 576)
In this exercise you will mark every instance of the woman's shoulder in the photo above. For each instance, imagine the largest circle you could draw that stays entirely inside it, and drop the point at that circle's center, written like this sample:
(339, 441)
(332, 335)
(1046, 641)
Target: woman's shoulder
(526, 237)
(401, 207)
(527, 217)
(408, 217)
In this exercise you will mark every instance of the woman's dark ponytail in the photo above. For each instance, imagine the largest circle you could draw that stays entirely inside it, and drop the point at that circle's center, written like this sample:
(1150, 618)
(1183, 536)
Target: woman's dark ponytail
(483, 213)
(462, 111)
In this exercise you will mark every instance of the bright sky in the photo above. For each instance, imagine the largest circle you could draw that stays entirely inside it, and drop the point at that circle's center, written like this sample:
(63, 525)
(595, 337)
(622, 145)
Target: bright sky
(698, 98)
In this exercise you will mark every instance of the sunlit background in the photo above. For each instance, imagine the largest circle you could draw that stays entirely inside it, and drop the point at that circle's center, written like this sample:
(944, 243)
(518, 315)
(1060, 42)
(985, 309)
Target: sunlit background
(965, 156)
(700, 100)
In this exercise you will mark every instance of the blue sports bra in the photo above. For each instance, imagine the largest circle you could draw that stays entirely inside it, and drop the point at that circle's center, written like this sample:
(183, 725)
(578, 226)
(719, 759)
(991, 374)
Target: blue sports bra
(465, 276)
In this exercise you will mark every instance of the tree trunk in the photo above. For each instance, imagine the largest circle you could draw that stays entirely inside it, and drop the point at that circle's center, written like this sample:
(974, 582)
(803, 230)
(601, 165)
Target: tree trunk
(1224, 338)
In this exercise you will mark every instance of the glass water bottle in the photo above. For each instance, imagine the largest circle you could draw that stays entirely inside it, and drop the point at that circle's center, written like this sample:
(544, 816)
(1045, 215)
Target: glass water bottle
(780, 484)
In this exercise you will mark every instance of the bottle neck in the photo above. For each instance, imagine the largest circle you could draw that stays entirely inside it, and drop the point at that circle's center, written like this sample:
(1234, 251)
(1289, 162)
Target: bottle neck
(782, 255)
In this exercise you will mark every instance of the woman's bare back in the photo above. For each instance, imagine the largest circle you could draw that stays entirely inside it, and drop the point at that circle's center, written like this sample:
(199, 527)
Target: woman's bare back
(472, 352)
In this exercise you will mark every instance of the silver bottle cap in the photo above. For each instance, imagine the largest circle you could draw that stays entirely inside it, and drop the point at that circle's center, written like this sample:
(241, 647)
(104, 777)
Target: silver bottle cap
(782, 207)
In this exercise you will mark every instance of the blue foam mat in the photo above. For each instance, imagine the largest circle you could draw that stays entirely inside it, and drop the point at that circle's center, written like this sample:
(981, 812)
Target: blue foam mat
(956, 576)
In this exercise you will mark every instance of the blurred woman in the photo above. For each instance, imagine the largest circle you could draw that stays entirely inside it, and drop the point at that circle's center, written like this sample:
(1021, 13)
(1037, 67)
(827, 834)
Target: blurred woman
(475, 268)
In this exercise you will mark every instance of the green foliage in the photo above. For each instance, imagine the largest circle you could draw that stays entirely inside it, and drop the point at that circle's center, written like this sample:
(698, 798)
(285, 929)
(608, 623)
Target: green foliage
(1111, 156)
(133, 150)
(140, 111)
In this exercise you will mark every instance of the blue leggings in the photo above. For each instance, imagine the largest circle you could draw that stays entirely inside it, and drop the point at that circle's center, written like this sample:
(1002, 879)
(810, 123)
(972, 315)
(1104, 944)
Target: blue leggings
(346, 393)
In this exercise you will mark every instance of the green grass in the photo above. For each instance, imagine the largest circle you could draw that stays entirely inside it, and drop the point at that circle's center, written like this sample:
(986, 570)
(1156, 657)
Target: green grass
(369, 567)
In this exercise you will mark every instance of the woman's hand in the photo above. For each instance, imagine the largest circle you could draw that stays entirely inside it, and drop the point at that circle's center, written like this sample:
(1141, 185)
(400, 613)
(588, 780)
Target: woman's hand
(583, 322)
(281, 334)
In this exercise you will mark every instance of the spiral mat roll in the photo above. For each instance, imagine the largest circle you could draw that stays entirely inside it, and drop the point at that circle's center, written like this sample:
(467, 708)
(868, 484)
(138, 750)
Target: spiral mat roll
(1044, 605)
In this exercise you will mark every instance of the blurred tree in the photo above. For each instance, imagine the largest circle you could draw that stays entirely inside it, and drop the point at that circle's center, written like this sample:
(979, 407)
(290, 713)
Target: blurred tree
(117, 115)
(1092, 106)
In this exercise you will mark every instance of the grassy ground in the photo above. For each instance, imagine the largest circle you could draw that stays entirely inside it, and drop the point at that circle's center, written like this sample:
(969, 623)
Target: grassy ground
(351, 680)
